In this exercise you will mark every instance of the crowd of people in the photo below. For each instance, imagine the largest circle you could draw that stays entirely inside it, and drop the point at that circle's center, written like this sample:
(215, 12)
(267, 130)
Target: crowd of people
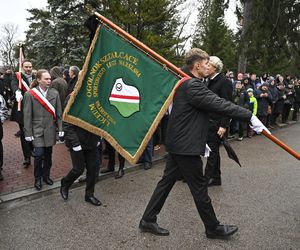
(274, 99)
(37, 98)
(39, 129)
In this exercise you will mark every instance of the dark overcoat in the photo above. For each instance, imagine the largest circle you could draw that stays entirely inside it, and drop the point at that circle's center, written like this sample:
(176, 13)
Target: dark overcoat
(16, 115)
(188, 121)
(221, 86)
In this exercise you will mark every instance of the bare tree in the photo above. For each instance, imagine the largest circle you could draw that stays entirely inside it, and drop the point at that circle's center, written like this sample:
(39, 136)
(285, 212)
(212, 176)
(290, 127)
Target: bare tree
(8, 43)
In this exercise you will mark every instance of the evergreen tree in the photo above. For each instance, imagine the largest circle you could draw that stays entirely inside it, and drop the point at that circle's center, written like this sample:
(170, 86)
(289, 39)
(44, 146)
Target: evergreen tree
(57, 35)
(212, 33)
(154, 22)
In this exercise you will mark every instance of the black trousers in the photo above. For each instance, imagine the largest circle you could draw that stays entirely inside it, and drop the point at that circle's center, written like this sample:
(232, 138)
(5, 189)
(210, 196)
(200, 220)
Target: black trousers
(190, 167)
(112, 159)
(296, 110)
(148, 152)
(157, 136)
(237, 126)
(286, 112)
(26, 146)
(42, 161)
(263, 119)
(80, 160)
(164, 125)
(213, 165)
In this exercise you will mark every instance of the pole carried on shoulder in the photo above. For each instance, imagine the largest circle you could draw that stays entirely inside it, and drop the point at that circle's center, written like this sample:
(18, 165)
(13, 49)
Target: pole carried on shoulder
(141, 45)
(171, 66)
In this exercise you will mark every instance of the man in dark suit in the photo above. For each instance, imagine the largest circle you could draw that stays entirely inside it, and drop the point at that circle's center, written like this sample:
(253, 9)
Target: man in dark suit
(74, 74)
(16, 113)
(83, 150)
(218, 123)
(186, 142)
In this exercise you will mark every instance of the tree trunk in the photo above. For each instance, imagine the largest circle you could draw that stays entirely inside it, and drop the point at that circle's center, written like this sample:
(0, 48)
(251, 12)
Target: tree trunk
(242, 64)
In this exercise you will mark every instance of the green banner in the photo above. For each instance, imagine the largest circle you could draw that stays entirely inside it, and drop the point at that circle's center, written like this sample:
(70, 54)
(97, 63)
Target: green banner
(121, 94)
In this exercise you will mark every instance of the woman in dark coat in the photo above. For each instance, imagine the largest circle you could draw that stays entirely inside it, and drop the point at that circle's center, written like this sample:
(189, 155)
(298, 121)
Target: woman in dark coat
(59, 83)
(297, 99)
(274, 92)
(278, 109)
(264, 99)
(288, 102)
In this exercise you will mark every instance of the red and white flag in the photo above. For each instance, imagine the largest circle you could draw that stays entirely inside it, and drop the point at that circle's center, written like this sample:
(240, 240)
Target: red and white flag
(21, 58)
(21, 82)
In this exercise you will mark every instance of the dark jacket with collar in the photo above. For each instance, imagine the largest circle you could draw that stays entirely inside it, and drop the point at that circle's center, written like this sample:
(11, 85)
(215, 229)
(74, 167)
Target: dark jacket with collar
(297, 93)
(221, 86)
(75, 136)
(71, 85)
(240, 97)
(274, 92)
(188, 121)
(263, 102)
(16, 115)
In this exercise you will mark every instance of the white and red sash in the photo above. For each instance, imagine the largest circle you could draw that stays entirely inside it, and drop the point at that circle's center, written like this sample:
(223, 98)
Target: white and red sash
(43, 101)
(22, 84)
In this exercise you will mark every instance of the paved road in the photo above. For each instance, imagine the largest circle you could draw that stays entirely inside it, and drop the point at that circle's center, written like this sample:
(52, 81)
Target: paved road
(262, 198)
(17, 178)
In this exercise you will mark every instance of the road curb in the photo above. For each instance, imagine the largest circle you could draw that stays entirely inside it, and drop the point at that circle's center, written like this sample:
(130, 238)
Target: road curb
(11, 199)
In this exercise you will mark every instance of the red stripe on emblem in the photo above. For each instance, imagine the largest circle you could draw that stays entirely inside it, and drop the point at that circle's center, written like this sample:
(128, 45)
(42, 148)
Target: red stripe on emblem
(125, 97)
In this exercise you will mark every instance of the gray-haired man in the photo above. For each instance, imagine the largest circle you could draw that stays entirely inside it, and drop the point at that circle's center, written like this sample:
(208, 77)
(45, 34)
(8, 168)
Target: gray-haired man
(218, 123)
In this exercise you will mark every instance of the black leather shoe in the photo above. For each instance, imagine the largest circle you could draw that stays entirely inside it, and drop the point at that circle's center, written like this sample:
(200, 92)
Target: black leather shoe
(48, 181)
(214, 182)
(120, 174)
(108, 170)
(26, 162)
(38, 184)
(152, 227)
(1, 176)
(147, 165)
(64, 191)
(221, 232)
(93, 200)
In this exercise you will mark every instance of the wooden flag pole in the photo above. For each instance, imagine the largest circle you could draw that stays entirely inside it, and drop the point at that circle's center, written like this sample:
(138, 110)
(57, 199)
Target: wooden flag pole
(179, 72)
(20, 87)
(141, 45)
(281, 144)
(20, 70)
